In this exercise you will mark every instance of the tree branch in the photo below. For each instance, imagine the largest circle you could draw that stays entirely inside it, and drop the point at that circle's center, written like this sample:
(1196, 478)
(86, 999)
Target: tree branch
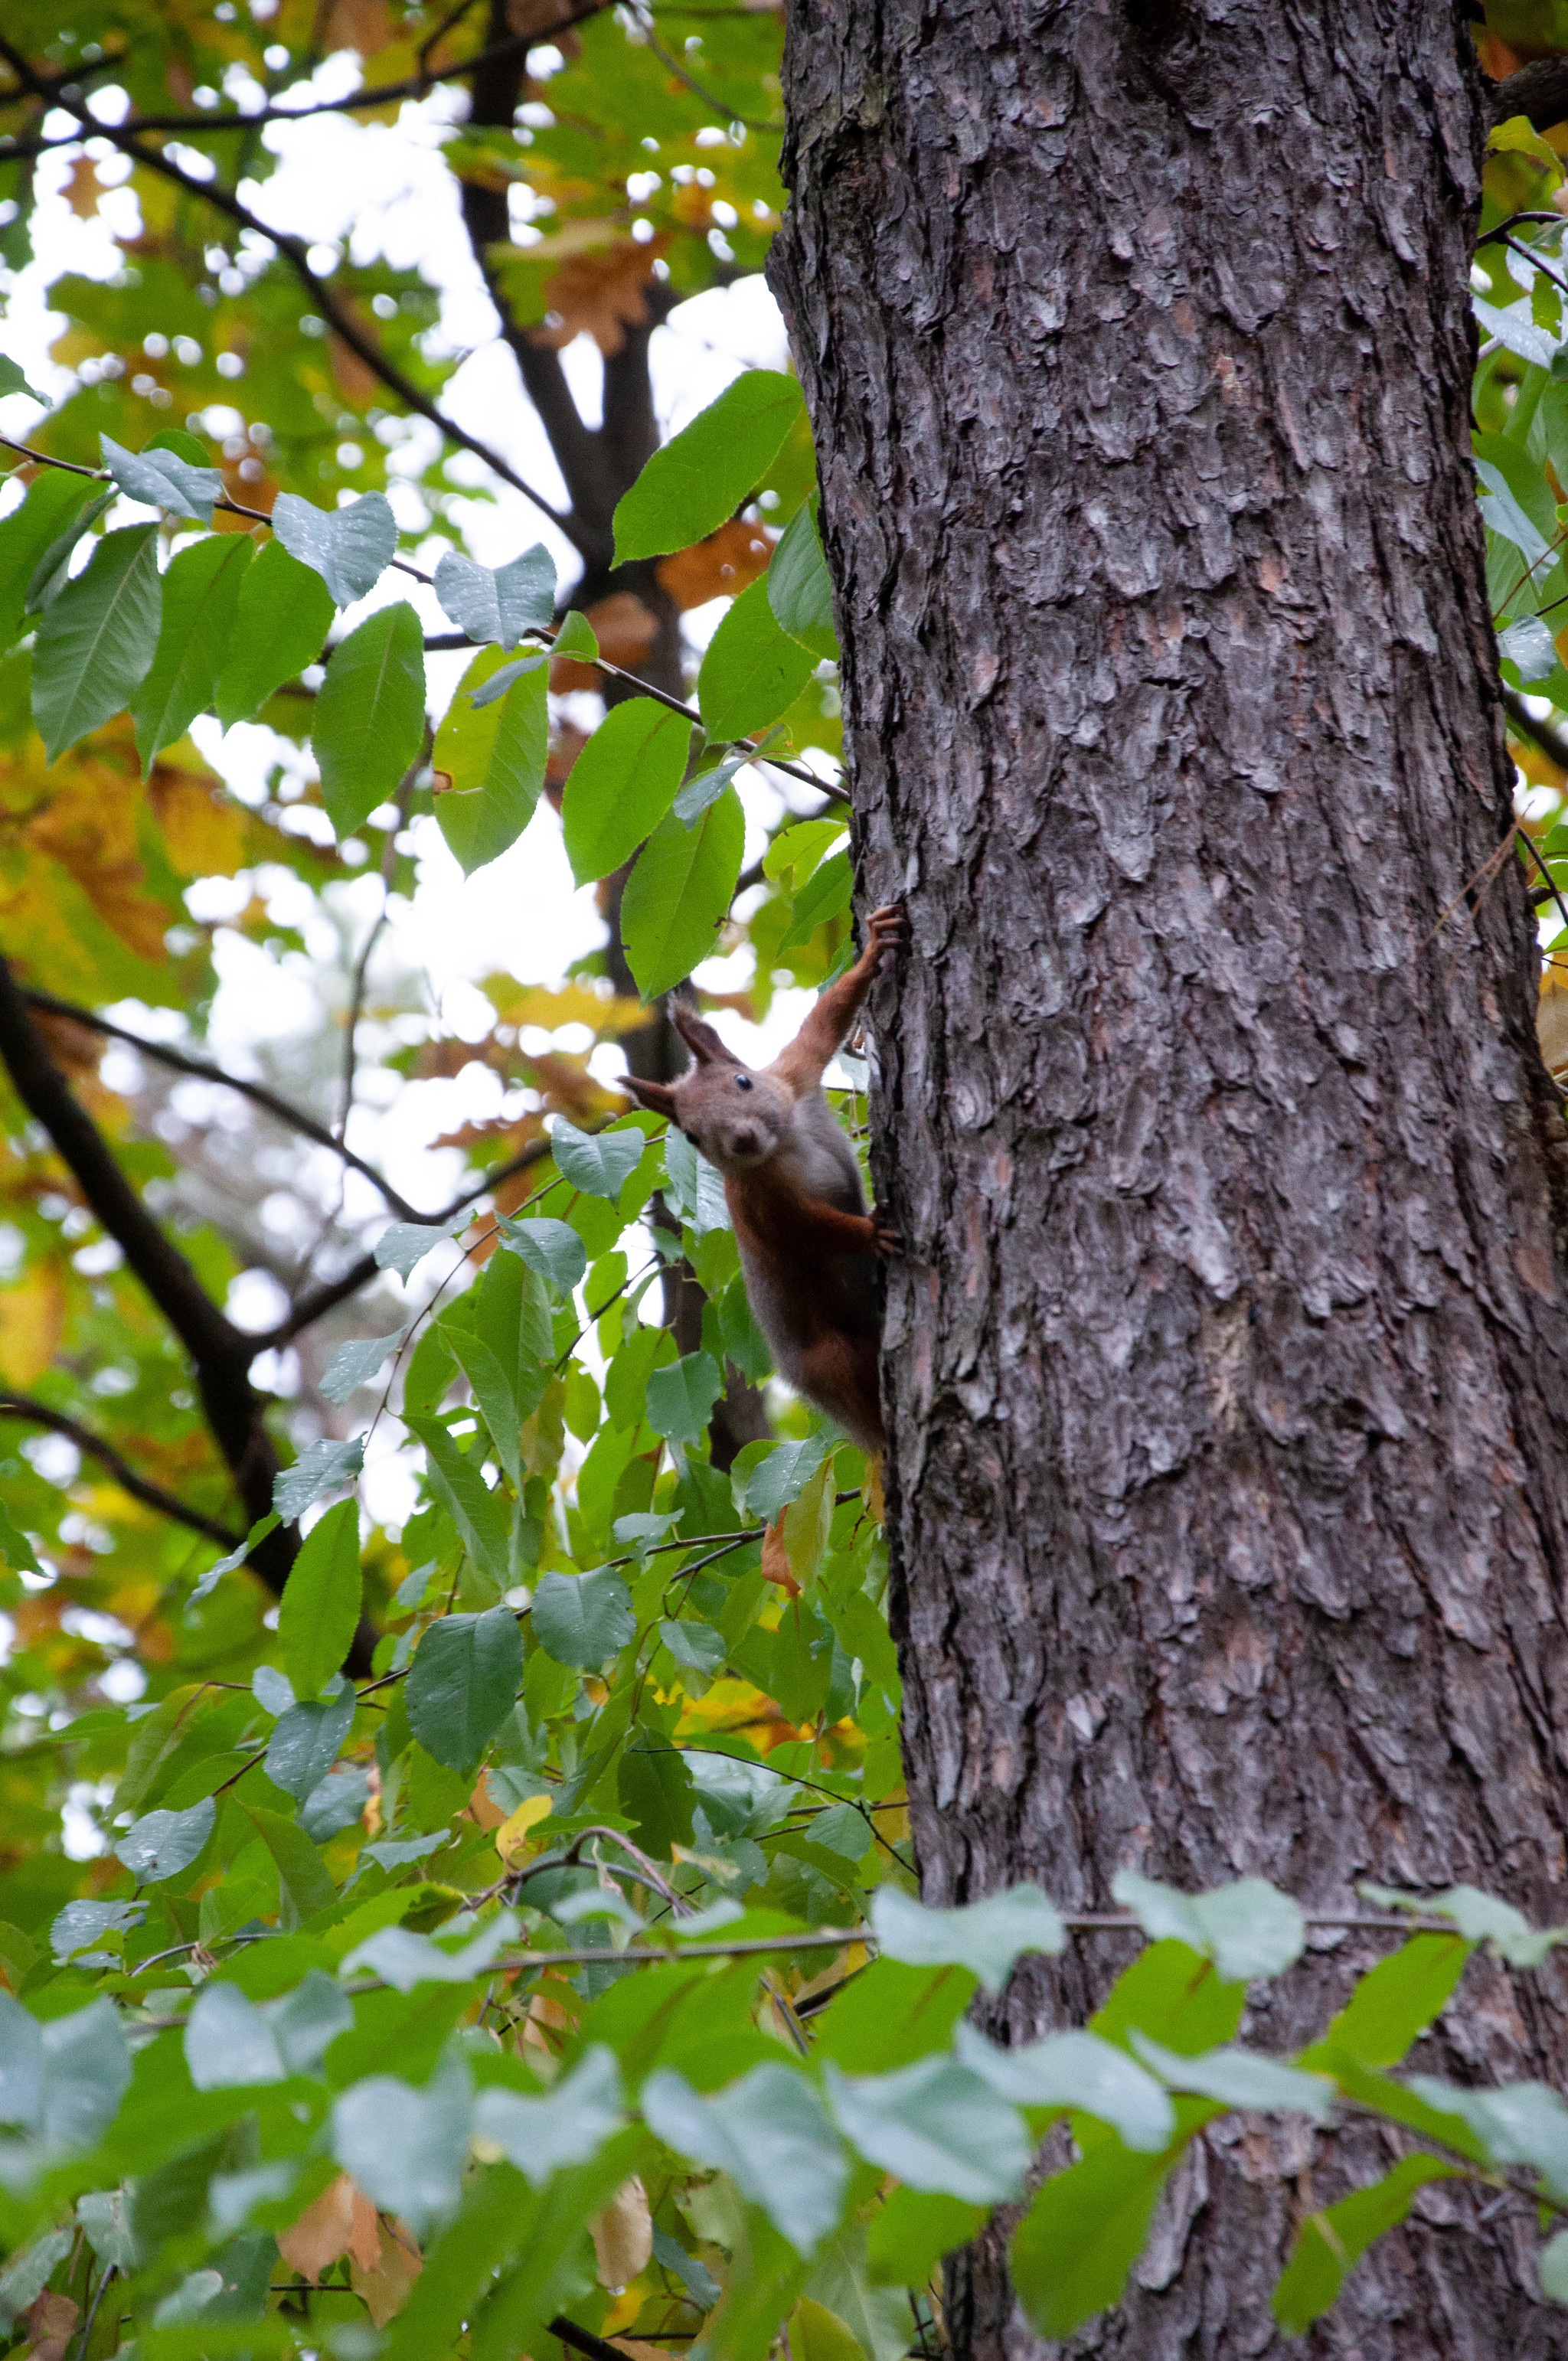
(152, 1496)
(295, 1117)
(297, 255)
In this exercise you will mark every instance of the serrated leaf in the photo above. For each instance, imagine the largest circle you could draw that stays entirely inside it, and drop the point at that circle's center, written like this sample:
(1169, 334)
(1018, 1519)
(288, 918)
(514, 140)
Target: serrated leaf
(800, 589)
(403, 1246)
(162, 479)
(783, 1475)
(1248, 1928)
(307, 1739)
(622, 784)
(350, 548)
(984, 1936)
(1394, 2002)
(1077, 2071)
(354, 1364)
(303, 1880)
(601, 1163)
(481, 1516)
(769, 2132)
(201, 594)
(319, 1607)
(702, 475)
(161, 1844)
(499, 604)
(678, 895)
(1523, 2122)
(96, 641)
(552, 1249)
(1328, 2244)
(681, 1396)
(462, 1685)
(52, 506)
(583, 1620)
(936, 2126)
(753, 672)
(568, 2126)
(495, 757)
(325, 1467)
(369, 717)
(281, 619)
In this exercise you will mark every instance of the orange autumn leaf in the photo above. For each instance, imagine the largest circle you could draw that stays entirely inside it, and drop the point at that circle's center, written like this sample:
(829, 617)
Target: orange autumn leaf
(775, 1560)
(385, 2285)
(341, 2222)
(599, 294)
(362, 25)
(83, 188)
(725, 563)
(51, 2321)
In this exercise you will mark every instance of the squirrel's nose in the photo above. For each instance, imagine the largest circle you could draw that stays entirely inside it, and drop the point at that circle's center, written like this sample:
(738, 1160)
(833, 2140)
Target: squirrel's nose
(743, 1143)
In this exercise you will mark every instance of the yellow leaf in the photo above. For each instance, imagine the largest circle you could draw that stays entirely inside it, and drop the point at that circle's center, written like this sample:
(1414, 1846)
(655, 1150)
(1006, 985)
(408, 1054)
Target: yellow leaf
(817, 2334)
(81, 191)
(385, 2287)
(808, 1525)
(32, 1313)
(624, 2236)
(204, 830)
(1518, 135)
(871, 1493)
(512, 1836)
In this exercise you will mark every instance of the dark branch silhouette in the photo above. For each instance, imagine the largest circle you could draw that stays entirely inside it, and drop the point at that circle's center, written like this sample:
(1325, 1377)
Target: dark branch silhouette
(150, 1494)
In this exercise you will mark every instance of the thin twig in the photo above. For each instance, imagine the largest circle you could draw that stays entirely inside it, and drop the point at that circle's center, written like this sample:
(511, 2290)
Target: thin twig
(150, 1494)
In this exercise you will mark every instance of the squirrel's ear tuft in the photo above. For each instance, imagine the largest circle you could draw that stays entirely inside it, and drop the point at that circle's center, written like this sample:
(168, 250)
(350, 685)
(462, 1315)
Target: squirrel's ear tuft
(657, 1097)
(700, 1039)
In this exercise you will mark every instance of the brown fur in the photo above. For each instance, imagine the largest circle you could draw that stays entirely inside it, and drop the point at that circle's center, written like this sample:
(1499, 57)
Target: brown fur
(808, 1244)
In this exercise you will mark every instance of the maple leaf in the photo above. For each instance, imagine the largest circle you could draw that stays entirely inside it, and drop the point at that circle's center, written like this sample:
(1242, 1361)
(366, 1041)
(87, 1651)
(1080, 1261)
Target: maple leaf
(600, 294)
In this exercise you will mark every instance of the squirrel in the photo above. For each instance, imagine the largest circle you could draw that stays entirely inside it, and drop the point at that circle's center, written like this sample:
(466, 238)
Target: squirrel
(793, 1186)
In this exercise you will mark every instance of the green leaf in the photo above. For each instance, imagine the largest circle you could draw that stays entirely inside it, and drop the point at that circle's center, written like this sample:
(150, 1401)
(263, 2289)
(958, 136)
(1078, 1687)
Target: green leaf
(824, 896)
(201, 593)
(1240, 2078)
(86, 2072)
(480, 1515)
(493, 1398)
(281, 621)
(840, 2288)
(405, 1960)
(696, 1190)
(1480, 1918)
(229, 2042)
(1393, 2005)
(1076, 2071)
(622, 784)
(984, 1936)
(678, 895)
(303, 1878)
(752, 671)
(698, 1646)
(462, 1685)
(350, 548)
(770, 2134)
(403, 1245)
(681, 1396)
(319, 1607)
(81, 1926)
(52, 572)
(51, 504)
(28, 2271)
(161, 1844)
(936, 2126)
(13, 381)
(601, 1163)
(16, 1549)
(889, 2013)
(406, 2147)
(1248, 1929)
(1553, 2268)
(1329, 2244)
(97, 640)
(326, 1466)
(1174, 1994)
(354, 1364)
(696, 482)
(162, 479)
(800, 589)
(912, 2232)
(568, 2126)
(307, 1739)
(783, 1475)
(370, 721)
(552, 1249)
(499, 604)
(1086, 2228)
(583, 1620)
(495, 757)
(1524, 2123)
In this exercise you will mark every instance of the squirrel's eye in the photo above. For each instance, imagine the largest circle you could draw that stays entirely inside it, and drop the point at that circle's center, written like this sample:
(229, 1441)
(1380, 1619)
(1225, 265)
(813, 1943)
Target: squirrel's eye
(743, 1082)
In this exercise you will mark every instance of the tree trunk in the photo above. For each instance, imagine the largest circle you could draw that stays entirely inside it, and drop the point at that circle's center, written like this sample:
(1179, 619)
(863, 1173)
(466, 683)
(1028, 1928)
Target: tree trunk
(1228, 1479)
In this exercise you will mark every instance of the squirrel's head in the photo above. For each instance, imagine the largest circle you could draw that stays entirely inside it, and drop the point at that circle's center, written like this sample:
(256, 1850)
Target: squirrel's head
(733, 1116)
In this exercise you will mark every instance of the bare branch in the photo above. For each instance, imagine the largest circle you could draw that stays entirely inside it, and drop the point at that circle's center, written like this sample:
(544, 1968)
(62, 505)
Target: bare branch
(258, 1092)
(152, 1496)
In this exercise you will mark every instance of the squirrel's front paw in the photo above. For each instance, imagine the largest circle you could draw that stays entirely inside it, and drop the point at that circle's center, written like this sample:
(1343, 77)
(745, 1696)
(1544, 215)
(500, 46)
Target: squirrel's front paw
(887, 928)
(887, 1240)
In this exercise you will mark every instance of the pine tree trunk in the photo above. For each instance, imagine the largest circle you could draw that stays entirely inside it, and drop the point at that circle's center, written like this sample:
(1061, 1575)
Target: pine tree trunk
(1228, 1482)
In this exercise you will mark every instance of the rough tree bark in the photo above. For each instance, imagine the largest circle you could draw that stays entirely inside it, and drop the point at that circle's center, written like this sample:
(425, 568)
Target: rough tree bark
(1228, 1483)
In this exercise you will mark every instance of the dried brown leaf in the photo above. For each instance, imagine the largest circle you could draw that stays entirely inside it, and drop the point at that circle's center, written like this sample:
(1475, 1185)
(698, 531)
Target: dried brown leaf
(624, 2236)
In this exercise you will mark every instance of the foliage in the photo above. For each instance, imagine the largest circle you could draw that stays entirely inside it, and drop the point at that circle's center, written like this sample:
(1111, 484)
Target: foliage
(508, 1920)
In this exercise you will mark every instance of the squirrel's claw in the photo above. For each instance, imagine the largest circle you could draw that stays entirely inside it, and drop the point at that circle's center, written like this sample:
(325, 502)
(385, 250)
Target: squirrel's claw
(887, 1240)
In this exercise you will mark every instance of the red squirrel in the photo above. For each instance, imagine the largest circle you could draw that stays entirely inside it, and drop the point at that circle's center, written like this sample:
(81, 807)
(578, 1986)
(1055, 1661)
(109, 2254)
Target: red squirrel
(793, 1185)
